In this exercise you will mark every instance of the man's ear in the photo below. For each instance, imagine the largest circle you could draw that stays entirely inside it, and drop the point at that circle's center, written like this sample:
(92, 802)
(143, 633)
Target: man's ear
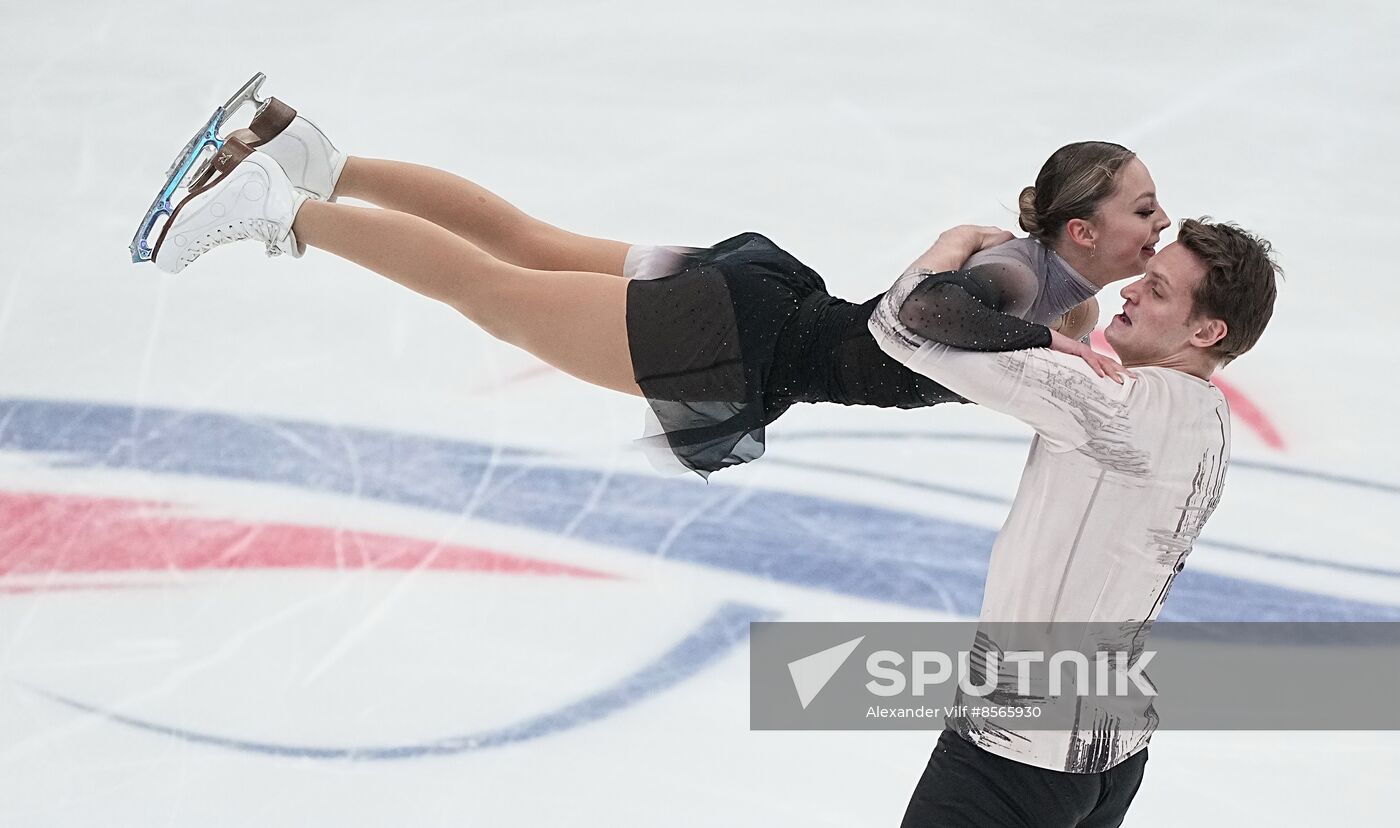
(1209, 331)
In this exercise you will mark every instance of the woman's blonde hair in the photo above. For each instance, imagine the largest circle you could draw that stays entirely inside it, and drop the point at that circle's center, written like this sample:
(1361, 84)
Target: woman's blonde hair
(1071, 185)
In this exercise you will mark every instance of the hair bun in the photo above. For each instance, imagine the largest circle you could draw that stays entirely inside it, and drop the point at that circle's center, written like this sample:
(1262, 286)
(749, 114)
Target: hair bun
(1030, 222)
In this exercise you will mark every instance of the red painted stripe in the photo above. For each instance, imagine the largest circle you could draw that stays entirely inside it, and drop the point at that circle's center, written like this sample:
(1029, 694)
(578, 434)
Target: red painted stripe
(68, 586)
(1245, 409)
(44, 533)
(1241, 406)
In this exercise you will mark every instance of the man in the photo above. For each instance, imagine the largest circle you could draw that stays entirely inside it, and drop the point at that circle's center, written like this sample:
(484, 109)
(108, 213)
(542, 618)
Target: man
(1124, 470)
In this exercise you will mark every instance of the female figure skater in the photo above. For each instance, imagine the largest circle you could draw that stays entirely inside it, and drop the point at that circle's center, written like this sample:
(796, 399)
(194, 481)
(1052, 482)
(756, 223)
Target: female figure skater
(720, 340)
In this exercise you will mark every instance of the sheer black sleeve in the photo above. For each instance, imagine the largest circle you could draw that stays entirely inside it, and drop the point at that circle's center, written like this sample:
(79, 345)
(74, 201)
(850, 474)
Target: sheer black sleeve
(961, 309)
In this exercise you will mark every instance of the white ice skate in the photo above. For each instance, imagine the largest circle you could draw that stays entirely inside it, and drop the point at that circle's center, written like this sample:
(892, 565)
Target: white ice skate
(308, 157)
(206, 141)
(245, 195)
(310, 160)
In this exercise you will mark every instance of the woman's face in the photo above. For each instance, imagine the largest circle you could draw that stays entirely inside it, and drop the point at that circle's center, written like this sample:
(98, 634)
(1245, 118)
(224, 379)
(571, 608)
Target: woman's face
(1128, 224)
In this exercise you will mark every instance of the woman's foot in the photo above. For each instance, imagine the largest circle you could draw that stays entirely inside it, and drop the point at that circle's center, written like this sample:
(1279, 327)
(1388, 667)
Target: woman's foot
(244, 194)
(303, 151)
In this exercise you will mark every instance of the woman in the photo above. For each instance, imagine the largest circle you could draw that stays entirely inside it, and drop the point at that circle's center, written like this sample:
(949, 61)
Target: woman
(721, 340)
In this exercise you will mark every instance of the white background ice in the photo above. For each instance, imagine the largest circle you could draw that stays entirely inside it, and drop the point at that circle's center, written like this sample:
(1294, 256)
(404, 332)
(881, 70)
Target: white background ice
(851, 133)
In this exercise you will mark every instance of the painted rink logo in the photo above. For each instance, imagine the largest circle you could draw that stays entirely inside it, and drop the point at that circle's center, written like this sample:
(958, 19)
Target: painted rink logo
(65, 543)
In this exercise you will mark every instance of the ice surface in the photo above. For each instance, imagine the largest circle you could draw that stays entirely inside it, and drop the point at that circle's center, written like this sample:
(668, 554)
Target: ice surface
(286, 544)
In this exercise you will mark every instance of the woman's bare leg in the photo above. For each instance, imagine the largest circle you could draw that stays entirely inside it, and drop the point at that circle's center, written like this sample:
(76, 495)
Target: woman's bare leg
(574, 320)
(477, 215)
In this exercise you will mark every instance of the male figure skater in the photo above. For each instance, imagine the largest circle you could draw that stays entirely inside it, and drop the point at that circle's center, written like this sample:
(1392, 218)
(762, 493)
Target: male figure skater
(1124, 470)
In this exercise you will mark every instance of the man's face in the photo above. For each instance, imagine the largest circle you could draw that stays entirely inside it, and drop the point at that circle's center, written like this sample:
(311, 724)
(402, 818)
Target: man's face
(1156, 321)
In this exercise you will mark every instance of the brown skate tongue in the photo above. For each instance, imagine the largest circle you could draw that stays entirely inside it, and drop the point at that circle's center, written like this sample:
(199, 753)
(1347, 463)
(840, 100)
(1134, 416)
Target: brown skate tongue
(235, 149)
(271, 119)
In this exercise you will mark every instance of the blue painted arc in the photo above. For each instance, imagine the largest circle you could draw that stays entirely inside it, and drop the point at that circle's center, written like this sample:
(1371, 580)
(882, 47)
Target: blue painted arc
(846, 548)
(712, 639)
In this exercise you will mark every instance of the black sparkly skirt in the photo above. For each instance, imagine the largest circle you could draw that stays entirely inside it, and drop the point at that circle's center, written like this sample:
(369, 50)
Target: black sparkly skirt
(732, 335)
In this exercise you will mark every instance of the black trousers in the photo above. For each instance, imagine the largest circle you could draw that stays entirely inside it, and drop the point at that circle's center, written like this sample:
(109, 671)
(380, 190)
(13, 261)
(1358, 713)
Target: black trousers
(967, 787)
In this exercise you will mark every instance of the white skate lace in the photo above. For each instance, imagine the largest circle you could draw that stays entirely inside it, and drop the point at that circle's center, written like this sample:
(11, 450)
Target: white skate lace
(265, 230)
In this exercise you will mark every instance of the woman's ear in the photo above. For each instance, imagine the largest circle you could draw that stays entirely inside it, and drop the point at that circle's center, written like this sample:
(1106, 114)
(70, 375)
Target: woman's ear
(1081, 233)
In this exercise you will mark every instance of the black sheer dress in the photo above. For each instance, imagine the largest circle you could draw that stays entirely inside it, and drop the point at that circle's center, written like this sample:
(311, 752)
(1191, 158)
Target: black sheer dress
(725, 339)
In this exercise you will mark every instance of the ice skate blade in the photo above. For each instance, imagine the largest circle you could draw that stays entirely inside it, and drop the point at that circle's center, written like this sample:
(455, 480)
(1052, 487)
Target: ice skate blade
(179, 170)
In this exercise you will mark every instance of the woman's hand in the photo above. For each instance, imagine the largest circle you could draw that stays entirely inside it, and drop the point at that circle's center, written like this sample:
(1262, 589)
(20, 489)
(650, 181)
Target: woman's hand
(1102, 365)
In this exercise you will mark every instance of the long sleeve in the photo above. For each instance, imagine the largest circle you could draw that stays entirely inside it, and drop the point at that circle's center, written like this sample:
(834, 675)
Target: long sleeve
(963, 309)
(1058, 395)
(976, 308)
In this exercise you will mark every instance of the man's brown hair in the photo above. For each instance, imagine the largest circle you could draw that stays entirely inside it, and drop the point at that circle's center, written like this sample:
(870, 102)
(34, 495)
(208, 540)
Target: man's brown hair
(1240, 282)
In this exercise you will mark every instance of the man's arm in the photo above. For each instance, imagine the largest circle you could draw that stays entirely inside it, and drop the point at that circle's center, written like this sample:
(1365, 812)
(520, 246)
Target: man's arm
(954, 247)
(1058, 395)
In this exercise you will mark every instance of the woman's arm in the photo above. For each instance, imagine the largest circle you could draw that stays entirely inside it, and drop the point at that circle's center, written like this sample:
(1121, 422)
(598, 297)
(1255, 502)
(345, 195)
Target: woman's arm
(944, 259)
(966, 308)
(962, 309)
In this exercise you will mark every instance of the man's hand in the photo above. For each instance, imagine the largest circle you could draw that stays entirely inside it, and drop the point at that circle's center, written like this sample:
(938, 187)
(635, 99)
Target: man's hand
(956, 246)
(1102, 365)
(983, 236)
